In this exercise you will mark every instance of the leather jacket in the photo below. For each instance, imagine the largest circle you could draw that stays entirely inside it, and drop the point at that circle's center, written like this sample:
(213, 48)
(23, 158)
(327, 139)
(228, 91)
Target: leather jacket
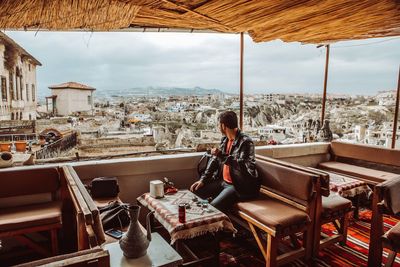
(242, 166)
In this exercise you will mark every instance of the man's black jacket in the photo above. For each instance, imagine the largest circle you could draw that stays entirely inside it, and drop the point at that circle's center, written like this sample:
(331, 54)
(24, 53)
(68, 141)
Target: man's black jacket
(242, 166)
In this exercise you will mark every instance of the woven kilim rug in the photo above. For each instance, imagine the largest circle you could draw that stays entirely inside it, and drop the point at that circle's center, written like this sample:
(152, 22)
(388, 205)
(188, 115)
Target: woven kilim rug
(243, 251)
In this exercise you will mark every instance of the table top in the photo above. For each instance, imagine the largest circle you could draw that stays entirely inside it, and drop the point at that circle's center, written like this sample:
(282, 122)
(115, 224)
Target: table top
(199, 220)
(159, 254)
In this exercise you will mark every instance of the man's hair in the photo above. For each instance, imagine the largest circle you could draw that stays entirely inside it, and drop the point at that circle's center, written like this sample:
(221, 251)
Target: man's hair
(229, 119)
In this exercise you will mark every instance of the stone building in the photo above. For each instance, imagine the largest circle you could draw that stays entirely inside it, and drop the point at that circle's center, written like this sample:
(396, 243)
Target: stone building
(18, 87)
(70, 97)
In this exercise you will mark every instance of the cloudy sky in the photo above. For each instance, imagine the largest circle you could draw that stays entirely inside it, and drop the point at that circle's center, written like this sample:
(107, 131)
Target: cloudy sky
(126, 60)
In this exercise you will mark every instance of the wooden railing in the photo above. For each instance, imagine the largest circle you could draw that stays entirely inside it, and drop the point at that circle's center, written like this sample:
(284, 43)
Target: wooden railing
(56, 148)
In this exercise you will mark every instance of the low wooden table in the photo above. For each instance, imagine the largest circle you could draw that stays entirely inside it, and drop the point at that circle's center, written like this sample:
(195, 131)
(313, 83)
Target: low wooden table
(199, 221)
(159, 254)
(349, 187)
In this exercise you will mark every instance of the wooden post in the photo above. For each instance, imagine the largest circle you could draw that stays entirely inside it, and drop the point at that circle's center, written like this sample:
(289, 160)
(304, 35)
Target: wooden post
(396, 114)
(325, 85)
(241, 79)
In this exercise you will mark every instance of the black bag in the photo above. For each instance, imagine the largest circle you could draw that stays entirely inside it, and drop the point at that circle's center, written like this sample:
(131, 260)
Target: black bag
(104, 187)
(114, 215)
(206, 162)
(203, 162)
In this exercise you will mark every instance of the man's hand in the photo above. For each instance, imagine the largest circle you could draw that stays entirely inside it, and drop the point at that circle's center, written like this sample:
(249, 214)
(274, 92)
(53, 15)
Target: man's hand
(197, 185)
(215, 151)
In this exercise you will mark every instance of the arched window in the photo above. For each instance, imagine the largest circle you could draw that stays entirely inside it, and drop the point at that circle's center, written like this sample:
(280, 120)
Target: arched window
(12, 116)
(30, 117)
(20, 115)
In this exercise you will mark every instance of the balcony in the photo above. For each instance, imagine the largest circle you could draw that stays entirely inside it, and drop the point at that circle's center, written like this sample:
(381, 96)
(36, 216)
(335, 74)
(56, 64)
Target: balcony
(17, 104)
(134, 175)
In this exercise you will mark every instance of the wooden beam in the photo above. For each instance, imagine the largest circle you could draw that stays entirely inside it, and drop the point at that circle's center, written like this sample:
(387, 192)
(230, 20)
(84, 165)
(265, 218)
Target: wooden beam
(325, 85)
(241, 79)
(396, 114)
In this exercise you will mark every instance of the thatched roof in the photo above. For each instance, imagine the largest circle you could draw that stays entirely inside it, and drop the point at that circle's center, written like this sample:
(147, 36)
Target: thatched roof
(307, 21)
(4, 39)
(72, 85)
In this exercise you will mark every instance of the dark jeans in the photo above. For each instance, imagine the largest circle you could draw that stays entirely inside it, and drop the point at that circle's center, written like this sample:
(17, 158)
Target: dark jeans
(222, 193)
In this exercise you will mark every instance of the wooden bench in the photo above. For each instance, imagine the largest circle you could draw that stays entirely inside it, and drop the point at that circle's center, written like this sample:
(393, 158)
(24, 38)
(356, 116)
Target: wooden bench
(371, 164)
(90, 233)
(286, 207)
(329, 208)
(32, 204)
(386, 200)
(95, 257)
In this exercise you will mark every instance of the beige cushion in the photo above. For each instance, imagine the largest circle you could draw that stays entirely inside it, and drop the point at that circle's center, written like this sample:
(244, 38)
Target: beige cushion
(29, 181)
(274, 214)
(375, 176)
(390, 193)
(334, 205)
(286, 181)
(30, 216)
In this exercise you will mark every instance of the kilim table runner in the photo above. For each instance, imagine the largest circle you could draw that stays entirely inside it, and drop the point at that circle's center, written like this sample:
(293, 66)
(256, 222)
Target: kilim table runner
(199, 220)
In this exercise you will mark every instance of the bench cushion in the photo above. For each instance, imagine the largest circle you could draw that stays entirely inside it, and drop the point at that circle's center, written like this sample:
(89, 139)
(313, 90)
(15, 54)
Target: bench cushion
(287, 182)
(30, 216)
(275, 214)
(334, 206)
(29, 181)
(375, 176)
(393, 236)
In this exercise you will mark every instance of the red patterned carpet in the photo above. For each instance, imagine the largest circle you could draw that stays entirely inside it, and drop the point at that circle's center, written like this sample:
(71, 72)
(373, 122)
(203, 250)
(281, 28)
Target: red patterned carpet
(242, 251)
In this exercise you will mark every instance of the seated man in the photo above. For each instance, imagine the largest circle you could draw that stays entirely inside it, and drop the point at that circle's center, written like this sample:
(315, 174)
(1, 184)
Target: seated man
(231, 173)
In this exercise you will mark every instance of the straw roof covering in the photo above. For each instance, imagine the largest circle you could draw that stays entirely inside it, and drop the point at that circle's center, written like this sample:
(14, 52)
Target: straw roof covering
(307, 21)
(72, 85)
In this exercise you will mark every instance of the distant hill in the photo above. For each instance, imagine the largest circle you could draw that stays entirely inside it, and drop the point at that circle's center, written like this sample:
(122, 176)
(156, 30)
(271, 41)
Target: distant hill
(159, 91)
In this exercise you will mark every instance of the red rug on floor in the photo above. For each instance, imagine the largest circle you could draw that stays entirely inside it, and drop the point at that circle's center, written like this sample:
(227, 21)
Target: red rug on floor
(355, 253)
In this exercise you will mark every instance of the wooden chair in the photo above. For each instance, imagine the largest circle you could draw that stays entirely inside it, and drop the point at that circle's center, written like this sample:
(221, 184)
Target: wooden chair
(27, 213)
(285, 208)
(386, 200)
(329, 208)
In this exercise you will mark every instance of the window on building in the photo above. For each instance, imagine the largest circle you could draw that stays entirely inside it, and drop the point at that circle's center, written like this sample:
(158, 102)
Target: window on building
(21, 88)
(11, 85)
(89, 100)
(17, 85)
(12, 116)
(27, 92)
(20, 115)
(33, 93)
(29, 66)
(3, 88)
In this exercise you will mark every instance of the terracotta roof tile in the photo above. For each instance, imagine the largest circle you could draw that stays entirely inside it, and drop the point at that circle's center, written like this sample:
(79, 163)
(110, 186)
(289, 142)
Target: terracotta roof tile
(73, 85)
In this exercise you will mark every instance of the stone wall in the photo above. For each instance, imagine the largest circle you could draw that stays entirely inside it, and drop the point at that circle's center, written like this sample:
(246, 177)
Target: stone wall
(116, 142)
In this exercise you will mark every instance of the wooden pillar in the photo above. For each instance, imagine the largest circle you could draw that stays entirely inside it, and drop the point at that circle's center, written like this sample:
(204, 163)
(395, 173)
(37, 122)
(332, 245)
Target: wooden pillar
(241, 79)
(325, 85)
(396, 114)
